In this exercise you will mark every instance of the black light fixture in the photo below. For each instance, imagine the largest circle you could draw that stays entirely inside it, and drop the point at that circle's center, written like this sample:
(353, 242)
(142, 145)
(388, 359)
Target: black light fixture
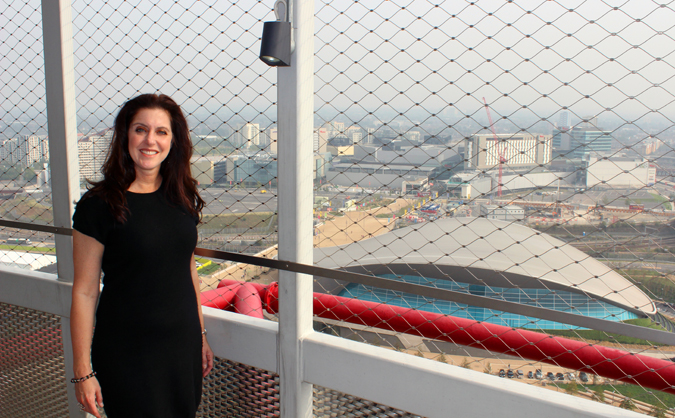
(275, 47)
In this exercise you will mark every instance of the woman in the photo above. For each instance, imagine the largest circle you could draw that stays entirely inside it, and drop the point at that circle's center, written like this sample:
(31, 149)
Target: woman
(147, 353)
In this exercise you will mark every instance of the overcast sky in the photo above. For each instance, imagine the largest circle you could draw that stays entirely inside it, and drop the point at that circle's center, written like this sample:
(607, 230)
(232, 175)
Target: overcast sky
(612, 58)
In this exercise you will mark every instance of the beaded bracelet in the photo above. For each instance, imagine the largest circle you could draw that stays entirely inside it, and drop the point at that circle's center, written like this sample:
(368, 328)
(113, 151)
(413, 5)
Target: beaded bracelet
(82, 379)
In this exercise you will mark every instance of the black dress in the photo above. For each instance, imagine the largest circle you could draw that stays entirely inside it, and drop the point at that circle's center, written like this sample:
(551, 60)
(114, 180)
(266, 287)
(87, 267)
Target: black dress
(147, 340)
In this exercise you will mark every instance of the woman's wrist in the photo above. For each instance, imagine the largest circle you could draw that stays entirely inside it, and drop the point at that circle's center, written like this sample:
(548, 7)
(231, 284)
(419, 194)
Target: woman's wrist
(83, 378)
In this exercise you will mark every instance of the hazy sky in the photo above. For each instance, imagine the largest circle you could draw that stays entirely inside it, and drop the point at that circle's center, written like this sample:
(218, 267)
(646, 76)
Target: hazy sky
(612, 58)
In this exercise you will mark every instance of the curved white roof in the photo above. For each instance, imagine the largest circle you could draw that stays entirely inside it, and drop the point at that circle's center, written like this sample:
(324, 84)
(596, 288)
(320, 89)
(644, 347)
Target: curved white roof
(487, 251)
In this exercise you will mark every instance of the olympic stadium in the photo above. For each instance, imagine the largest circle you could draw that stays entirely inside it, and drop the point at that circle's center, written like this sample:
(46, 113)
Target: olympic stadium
(496, 259)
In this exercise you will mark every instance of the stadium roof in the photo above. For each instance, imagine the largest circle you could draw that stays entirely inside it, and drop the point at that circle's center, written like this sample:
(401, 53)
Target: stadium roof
(487, 252)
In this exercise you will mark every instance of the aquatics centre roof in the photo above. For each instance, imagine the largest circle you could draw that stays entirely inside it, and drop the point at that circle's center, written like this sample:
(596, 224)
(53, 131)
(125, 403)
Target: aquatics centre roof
(487, 252)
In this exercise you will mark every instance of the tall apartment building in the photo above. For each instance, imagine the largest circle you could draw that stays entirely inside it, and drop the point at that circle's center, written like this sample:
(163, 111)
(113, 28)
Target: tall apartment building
(335, 129)
(564, 121)
(273, 134)
(92, 151)
(25, 150)
(85, 155)
(320, 140)
(355, 134)
(8, 150)
(247, 135)
(519, 150)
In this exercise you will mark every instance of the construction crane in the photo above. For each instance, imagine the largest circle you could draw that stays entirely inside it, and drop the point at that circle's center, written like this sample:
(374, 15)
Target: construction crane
(501, 148)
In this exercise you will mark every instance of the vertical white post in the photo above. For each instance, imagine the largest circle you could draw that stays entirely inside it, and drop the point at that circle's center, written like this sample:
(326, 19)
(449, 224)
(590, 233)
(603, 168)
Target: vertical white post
(295, 94)
(62, 124)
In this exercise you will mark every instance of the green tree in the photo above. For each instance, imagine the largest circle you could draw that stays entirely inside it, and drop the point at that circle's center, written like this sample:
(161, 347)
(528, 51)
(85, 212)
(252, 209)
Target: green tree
(442, 358)
(465, 363)
(572, 388)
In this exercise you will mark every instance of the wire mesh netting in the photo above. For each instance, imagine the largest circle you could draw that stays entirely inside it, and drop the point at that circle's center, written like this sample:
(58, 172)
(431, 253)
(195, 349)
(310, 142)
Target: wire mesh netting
(519, 152)
(513, 157)
(237, 390)
(32, 371)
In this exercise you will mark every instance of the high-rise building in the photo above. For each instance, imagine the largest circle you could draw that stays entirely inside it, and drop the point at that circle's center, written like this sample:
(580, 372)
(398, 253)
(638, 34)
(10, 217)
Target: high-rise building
(320, 140)
(335, 129)
(247, 135)
(273, 134)
(30, 149)
(564, 121)
(354, 134)
(101, 144)
(587, 138)
(370, 136)
(561, 140)
(92, 152)
(85, 154)
(8, 151)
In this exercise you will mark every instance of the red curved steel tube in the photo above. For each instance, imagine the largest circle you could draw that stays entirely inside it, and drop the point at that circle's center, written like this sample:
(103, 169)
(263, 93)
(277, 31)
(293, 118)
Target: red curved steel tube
(604, 361)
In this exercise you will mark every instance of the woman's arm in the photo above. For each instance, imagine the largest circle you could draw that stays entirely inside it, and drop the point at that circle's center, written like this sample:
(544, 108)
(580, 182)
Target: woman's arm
(207, 353)
(87, 257)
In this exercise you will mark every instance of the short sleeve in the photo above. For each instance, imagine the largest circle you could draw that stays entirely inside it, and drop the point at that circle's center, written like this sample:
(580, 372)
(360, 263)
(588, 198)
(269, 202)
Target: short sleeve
(93, 218)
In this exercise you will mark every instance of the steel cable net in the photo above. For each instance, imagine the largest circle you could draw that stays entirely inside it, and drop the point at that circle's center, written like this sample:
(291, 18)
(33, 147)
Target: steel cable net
(25, 194)
(31, 361)
(516, 151)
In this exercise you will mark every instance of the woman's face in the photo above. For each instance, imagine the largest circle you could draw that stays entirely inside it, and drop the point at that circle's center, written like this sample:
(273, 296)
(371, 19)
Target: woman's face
(150, 139)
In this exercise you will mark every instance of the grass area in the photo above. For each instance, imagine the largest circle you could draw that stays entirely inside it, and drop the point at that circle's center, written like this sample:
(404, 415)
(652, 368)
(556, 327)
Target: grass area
(28, 248)
(591, 334)
(232, 220)
(384, 215)
(207, 269)
(653, 283)
(638, 393)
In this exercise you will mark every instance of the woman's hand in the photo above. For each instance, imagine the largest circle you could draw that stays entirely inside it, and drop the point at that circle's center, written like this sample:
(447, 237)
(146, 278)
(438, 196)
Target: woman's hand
(207, 358)
(89, 396)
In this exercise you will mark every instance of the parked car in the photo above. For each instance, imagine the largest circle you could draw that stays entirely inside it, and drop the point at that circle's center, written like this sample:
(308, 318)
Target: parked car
(530, 375)
(571, 376)
(510, 374)
(583, 376)
(519, 374)
(537, 374)
(502, 373)
(550, 376)
(560, 376)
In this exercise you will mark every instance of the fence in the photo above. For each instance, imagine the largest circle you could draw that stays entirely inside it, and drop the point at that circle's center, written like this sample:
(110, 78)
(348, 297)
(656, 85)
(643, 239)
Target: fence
(491, 180)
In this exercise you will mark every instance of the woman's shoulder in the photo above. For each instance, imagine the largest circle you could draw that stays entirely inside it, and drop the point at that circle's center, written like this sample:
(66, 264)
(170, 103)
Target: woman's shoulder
(91, 199)
(93, 217)
(92, 205)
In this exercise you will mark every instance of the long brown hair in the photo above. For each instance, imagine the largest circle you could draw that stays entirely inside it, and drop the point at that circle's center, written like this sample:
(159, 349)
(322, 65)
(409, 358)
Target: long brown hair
(178, 185)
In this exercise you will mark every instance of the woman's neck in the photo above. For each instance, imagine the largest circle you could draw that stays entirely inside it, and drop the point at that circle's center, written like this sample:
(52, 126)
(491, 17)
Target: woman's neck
(144, 184)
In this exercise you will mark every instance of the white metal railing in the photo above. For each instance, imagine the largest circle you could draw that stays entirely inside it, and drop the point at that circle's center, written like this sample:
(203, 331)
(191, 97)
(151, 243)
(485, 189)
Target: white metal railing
(411, 383)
